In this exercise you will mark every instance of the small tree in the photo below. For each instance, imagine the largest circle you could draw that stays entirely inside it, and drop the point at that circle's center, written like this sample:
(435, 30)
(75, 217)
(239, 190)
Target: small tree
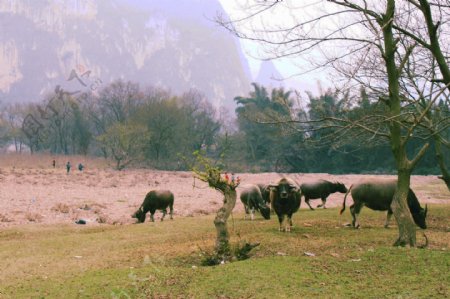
(210, 174)
(125, 143)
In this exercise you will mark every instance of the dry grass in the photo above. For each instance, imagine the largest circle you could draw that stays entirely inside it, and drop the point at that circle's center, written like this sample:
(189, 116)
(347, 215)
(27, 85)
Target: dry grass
(4, 218)
(95, 205)
(33, 185)
(102, 219)
(162, 260)
(434, 189)
(185, 175)
(61, 208)
(44, 161)
(33, 217)
(201, 212)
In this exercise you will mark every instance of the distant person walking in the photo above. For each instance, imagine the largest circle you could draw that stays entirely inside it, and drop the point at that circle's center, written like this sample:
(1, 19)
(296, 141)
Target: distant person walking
(68, 167)
(80, 167)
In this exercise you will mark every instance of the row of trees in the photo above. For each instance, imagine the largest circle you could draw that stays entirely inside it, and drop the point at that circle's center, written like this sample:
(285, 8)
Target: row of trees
(279, 131)
(275, 130)
(121, 122)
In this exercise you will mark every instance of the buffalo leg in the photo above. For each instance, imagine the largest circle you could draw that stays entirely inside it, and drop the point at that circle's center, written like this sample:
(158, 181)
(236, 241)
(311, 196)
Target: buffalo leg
(281, 220)
(171, 212)
(253, 203)
(324, 201)
(164, 214)
(355, 209)
(246, 211)
(352, 212)
(388, 218)
(289, 223)
(309, 205)
(152, 213)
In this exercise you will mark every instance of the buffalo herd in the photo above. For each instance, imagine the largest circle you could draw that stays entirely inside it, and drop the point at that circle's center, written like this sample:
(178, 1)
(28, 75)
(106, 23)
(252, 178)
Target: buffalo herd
(284, 197)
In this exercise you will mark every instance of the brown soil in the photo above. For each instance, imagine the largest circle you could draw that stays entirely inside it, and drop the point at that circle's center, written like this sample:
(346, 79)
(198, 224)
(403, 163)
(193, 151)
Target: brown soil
(50, 196)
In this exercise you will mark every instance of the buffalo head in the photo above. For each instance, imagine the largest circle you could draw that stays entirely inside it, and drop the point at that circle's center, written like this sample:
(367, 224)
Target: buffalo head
(284, 188)
(420, 217)
(139, 215)
(265, 212)
(340, 187)
(417, 212)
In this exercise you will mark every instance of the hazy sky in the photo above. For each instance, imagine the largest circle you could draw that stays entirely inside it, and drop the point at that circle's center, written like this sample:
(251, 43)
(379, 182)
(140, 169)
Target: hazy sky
(287, 67)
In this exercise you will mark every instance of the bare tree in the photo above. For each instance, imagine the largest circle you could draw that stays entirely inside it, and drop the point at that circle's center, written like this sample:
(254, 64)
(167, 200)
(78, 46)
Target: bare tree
(373, 44)
(56, 114)
(114, 104)
(201, 124)
(119, 100)
(13, 117)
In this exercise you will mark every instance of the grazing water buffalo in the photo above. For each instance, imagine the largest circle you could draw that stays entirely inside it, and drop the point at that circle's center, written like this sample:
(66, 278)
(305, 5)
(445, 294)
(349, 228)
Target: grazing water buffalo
(285, 198)
(252, 199)
(320, 189)
(377, 195)
(265, 192)
(155, 200)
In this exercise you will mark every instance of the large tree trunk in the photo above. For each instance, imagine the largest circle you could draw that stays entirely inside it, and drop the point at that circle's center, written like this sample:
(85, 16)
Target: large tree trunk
(222, 242)
(406, 225)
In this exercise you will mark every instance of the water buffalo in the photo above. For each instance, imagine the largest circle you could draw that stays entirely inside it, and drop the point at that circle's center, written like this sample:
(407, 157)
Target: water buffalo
(265, 192)
(320, 189)
(155, 200)
(252, 199)
(377, 195)
(285, 199)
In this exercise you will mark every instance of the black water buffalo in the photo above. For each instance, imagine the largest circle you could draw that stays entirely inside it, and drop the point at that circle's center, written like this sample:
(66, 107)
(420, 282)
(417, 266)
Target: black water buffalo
(265, 192)
(155, 200)
(285, 199)
(320, 189)
(377, 195)
(252, 199)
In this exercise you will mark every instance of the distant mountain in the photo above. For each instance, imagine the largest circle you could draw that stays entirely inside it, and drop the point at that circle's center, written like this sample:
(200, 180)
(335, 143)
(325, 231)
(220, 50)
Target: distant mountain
(80, 44)
(269, 76)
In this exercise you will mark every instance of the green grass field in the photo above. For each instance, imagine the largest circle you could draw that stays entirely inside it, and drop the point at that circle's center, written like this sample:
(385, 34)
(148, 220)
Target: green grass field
(162, 260)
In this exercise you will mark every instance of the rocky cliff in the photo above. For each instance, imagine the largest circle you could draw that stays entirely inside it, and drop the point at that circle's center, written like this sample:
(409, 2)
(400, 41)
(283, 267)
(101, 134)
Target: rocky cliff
(80, 44)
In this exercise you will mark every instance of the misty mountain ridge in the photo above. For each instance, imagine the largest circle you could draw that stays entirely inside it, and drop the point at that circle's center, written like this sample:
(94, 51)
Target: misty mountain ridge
(86, 44)
(269, 75)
